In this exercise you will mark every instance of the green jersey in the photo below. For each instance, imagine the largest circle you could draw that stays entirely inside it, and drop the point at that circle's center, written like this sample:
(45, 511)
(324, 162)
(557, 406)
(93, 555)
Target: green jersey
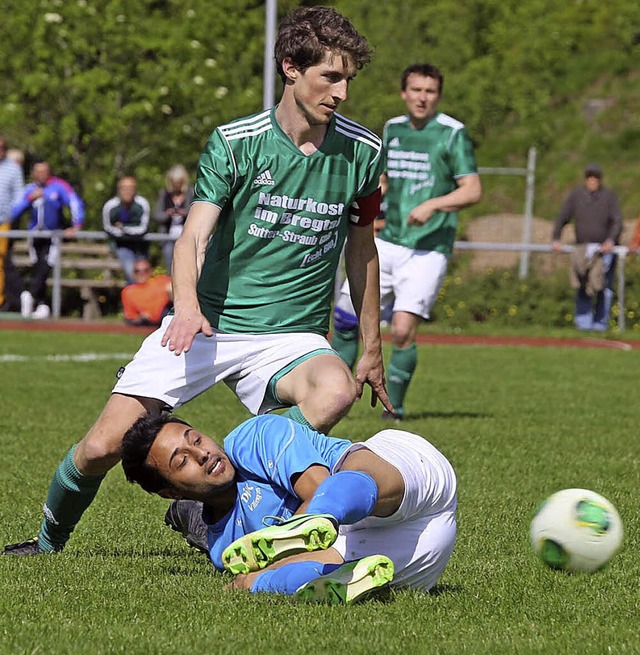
(271, 262)
(423, 164)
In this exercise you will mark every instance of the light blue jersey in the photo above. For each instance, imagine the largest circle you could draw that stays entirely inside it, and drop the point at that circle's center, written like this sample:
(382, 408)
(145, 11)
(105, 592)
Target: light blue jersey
(266, 452)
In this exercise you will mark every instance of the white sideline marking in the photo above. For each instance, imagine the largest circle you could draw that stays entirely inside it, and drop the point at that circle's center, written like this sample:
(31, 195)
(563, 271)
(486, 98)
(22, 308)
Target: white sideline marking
(81, 357)
(615, 345)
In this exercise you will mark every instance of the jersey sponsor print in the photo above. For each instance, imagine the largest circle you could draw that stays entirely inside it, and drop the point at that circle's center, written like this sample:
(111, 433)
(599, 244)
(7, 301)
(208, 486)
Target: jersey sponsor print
(422, 164)
(284, 217)
(267, 452)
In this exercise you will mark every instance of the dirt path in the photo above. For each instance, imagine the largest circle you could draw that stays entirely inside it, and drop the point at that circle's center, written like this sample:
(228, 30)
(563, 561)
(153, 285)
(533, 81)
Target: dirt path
(108, 327)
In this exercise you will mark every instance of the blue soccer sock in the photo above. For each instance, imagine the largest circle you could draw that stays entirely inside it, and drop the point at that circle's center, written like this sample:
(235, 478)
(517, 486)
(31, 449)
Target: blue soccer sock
(289, 578)
(70, 493)
(349, 496)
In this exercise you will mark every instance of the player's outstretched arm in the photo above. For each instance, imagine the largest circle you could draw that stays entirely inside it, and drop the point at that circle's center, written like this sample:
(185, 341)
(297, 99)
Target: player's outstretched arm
(188, 257)
(364, 282)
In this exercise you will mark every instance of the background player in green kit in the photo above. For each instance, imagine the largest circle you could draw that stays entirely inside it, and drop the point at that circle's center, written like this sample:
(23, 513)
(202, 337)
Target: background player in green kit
(279, 191)
(430, 174)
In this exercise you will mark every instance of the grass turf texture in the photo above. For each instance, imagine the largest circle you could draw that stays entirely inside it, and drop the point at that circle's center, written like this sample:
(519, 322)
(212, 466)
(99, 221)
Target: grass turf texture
(517, 424)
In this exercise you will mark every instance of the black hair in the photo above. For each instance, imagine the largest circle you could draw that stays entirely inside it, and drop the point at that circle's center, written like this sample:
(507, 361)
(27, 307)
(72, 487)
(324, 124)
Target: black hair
(426, 70)
(137, 443)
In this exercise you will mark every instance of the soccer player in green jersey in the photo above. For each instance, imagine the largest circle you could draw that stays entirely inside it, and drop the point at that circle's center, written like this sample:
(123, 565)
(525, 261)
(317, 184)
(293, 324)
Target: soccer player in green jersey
(430, 174)
(276, 195)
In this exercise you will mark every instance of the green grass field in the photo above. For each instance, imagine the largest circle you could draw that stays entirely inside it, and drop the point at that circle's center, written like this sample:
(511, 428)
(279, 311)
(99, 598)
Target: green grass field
(517, 424)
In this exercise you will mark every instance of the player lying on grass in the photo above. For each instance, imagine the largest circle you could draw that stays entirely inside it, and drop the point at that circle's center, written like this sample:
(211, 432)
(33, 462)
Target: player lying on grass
(364, 510)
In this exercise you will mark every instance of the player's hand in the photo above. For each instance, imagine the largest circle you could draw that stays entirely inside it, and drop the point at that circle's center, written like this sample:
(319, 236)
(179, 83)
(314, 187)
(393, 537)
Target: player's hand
(556, 246)
(370, 370)
(184, 326)
(607, 246)
(35, 194)
(422, 213)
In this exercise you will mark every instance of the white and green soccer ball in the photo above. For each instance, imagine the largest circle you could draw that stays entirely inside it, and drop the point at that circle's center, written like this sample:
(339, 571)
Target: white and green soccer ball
(576, 530)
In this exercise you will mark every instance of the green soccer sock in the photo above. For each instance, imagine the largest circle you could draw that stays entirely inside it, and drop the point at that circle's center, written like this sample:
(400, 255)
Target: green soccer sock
(345, 343)
(70, 493)
(399, 373)
(296, 415)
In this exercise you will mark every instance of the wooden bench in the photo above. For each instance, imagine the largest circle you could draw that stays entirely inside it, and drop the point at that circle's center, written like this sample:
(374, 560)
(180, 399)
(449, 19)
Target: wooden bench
(88, 266)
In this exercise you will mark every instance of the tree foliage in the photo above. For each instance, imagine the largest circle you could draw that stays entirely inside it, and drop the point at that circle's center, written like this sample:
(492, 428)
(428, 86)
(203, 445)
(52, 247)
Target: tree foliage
(102, 88)
(106, 88)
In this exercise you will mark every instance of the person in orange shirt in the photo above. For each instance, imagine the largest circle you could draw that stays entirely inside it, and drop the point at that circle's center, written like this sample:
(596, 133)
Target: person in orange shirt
(634, 246)
(148, 300)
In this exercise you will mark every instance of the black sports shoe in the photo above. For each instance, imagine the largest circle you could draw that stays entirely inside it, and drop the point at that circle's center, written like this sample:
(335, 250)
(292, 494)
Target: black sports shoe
(185, 517)
(28, 547)
(395, 417)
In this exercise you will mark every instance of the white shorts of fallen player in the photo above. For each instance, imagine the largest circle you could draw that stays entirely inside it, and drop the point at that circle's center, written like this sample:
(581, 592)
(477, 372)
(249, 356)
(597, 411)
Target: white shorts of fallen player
(244, 362)
(419, 537)
(409, 279)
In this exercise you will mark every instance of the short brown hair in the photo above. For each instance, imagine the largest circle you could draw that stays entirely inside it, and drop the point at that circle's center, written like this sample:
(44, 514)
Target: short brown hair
(307, 33)
(425, 70)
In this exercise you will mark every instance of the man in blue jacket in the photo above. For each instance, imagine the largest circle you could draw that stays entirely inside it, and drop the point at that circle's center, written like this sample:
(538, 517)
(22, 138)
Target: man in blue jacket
(46, 199)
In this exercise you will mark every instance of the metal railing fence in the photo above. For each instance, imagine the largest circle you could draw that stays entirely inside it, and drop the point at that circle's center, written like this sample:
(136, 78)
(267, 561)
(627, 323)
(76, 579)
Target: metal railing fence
(529, 173)
(57, 237)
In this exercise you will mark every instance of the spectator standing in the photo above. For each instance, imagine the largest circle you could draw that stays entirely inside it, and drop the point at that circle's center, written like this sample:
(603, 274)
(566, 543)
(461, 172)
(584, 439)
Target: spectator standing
(172, 208)
(125, 218)
(47, 199)
(147, 301)
(11, 185)
(430, 174)
(598, 225)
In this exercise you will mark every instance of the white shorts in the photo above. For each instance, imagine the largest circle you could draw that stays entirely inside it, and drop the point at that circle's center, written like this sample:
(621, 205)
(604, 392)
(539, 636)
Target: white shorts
(409, 279)
(419, 537)
(244, 362)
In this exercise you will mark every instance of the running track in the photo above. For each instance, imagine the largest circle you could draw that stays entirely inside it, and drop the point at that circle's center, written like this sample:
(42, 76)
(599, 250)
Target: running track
(108, 327)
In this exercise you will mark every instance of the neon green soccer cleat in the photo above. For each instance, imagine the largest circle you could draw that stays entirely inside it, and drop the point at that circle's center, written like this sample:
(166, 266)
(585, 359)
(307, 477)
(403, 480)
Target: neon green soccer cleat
(301, 533)
(352, 582)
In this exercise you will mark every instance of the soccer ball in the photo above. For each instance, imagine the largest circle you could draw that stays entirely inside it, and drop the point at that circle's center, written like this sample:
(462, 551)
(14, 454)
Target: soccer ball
(576, 530)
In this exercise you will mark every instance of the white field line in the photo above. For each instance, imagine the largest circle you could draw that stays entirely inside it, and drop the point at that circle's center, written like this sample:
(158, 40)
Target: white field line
(80, 357)
(606, 343)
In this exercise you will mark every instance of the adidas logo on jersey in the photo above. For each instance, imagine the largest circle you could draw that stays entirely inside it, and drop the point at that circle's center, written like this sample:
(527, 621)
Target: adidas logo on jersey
(264, 179)
(394, 143)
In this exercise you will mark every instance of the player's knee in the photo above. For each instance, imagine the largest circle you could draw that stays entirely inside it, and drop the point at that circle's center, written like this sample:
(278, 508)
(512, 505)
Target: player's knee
(100, 449)
(329, 398)
(98, 453)
(337, 391)
(325, 394)
(402, 337)
(343, 398)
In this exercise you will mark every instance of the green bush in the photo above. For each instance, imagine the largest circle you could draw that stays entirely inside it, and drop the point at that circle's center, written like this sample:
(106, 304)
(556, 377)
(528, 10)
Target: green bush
(500, 298)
